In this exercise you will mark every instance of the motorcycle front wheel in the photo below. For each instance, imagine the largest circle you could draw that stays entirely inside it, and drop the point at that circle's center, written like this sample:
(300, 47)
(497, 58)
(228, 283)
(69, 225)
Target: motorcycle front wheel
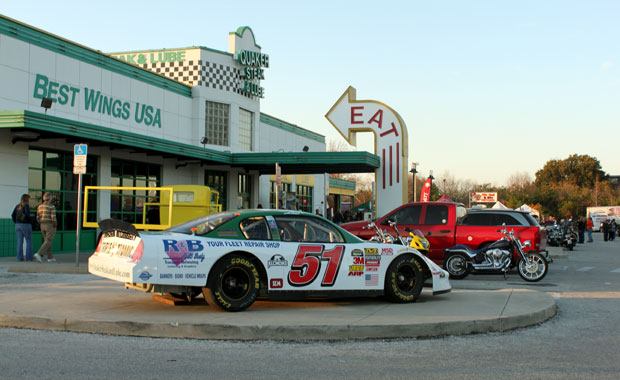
(457, 265)
(533, 268)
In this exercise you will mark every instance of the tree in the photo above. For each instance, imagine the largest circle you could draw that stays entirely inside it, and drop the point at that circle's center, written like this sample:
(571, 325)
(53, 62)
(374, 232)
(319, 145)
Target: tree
(578, 170)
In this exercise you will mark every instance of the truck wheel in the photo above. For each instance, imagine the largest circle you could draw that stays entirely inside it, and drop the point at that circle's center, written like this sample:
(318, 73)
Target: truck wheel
(233, 283)
(404, 279)
(456, 265)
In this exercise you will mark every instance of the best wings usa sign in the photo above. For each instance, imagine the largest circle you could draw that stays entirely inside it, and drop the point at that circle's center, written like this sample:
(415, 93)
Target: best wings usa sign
(350, 116)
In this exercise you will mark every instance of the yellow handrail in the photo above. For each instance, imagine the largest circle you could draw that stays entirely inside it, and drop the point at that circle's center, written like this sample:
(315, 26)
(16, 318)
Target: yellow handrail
(142, 226)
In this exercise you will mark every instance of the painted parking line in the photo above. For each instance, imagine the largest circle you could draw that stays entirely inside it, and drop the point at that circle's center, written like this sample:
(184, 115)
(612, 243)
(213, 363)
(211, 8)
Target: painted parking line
(616, 270)
(584, 269)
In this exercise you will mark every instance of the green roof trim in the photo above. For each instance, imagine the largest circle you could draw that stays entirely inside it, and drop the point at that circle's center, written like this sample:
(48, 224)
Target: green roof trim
(48, 126)
(47, 123)
(240, 30)
(45, 40)
(341, 183)
(292, 128)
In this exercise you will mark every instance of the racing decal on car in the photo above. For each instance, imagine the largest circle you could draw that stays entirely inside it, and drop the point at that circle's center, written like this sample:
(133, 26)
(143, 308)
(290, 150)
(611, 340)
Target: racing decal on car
(357, 269)
(387, 251)
(372, 261)
(372, 279)
(276, 283)
(357, 252)
(307, 265)
(371, 251)
(277, 261)
(186, 252)
(145, 276)
(227, 233)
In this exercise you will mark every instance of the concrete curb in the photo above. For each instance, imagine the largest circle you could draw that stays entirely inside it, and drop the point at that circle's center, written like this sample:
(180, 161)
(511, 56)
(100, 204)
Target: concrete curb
(545, 308)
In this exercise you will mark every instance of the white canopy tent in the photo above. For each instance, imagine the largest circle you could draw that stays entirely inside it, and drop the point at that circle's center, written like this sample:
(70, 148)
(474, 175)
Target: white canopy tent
(527, 208)
(500, 205)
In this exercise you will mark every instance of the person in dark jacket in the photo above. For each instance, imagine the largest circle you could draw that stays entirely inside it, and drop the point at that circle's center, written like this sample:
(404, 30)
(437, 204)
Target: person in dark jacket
(23, 228)
(581, 228)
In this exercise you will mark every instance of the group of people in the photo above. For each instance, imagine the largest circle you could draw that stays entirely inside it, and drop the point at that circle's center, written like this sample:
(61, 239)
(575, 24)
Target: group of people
(45, 217)
(609, 229)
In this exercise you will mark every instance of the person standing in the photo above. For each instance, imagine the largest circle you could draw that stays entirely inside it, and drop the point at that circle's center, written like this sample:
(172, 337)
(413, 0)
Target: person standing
(612, 230)
(581, 228)
(589, 227)
(46, 216)
(23, 228)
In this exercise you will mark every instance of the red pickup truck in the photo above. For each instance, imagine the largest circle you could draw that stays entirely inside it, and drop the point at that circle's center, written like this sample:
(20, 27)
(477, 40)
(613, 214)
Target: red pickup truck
(446, 224)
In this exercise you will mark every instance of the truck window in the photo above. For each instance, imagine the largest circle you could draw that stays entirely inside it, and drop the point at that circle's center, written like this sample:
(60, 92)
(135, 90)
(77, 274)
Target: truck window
(508, 219)
(407, 215)
(477, 219)
(436, 215)
(461, 211)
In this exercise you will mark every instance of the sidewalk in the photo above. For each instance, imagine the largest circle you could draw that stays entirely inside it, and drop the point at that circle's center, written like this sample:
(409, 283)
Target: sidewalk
(65, 263)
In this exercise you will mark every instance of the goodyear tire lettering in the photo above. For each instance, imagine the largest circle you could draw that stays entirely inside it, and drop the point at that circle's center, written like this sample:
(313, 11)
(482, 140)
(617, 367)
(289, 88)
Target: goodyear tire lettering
(404, 279)
(233, 283)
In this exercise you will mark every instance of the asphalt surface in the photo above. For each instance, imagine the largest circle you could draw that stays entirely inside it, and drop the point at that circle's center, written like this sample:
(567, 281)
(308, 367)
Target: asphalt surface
(62, 296)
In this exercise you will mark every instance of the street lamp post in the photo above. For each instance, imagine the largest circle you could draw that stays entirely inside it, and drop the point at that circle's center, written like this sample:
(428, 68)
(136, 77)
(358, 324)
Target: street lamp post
(414, 171)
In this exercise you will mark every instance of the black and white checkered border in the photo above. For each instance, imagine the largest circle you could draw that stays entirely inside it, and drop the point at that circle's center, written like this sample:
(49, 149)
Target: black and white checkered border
(199, 73)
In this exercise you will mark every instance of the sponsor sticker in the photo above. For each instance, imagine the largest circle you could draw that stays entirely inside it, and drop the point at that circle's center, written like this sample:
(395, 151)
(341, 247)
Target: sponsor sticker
(357, 252)
(371, 251)
(145, 276)
(183, 253)
(277, 261)
(276, 283)
(372, 279)
(387, 251)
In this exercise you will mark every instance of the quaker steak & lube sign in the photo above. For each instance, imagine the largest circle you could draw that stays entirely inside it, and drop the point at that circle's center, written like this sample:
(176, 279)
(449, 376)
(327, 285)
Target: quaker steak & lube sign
(95, 101)
(253, 71)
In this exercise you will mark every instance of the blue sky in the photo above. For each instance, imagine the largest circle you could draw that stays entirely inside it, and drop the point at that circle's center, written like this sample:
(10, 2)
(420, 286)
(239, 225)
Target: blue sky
(486, 88)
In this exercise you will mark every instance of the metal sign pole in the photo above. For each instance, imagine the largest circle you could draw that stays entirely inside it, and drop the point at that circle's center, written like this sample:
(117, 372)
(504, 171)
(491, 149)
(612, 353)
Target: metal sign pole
(78, 225)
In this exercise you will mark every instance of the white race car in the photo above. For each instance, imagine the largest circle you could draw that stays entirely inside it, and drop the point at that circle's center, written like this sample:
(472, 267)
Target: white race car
(235, 257)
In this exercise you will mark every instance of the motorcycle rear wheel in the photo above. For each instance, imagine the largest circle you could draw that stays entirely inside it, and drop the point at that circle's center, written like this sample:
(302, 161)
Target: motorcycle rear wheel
(457, 265)
(534, 268)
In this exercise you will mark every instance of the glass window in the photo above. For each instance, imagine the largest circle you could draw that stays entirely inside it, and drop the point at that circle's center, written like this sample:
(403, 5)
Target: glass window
(304, 198)
(436, 215)
(246, 123)
(284, 188)
(244, 191)
(307, 229)
(217, 181)
(216, 123)
(477, 219)
(407, 215)
(128, 205)
(255, 228)
(509, 220)
(52, 170)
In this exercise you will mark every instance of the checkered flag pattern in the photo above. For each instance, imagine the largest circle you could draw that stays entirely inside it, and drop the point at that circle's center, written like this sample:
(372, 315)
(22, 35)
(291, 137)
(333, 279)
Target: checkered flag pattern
(199, 73)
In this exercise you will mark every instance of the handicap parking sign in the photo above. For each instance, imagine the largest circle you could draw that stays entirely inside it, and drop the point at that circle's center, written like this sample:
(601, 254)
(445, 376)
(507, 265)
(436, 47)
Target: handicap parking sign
(80, 149)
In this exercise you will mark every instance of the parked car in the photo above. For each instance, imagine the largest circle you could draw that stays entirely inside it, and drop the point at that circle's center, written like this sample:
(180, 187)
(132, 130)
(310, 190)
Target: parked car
(235, 257)
(446, 224)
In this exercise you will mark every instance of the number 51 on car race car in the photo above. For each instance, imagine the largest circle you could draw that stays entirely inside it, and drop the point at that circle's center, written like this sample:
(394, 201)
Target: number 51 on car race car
(232, 258)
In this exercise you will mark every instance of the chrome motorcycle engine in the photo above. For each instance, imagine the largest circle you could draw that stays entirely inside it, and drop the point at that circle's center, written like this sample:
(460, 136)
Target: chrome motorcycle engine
(498, 257)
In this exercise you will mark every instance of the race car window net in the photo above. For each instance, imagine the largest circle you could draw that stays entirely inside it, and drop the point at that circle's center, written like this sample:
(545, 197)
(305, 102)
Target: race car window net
(255, 228)
(204, 224)
(307, 229)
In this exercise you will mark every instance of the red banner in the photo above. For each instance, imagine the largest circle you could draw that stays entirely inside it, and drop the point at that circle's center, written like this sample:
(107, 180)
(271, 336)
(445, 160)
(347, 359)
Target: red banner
(425, 195)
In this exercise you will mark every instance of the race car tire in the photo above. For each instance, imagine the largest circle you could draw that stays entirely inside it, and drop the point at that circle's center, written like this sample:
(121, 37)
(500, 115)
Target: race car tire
(404, 279)
(233, 284)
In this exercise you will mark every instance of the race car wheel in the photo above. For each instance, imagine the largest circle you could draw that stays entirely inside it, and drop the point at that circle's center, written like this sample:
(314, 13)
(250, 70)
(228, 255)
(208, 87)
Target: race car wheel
(404, 279)
(233, 283)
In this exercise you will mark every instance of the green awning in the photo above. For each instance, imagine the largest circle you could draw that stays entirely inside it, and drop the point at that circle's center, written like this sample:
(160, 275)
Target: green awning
(28, 126)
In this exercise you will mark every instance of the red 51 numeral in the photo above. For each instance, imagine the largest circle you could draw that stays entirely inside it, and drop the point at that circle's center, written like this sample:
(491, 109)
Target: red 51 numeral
(307, 265)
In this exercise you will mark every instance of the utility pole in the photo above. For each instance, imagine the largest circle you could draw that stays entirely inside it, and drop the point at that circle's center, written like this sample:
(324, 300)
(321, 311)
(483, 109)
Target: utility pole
(414, 171)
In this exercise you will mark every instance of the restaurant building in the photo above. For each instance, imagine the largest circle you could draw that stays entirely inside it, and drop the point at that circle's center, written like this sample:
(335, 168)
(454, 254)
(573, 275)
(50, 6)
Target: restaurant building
(150, 118)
